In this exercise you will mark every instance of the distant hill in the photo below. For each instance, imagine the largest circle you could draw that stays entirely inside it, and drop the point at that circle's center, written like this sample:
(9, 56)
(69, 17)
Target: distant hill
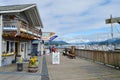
(109, 41)
(106, 42)
(56, 43)
(76, 43)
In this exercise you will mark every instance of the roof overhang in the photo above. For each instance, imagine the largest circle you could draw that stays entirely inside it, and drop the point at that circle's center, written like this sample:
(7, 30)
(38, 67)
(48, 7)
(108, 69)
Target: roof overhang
(31, 13)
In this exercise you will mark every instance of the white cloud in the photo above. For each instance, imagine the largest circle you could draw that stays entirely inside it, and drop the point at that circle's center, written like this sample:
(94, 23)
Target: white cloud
(74, 16)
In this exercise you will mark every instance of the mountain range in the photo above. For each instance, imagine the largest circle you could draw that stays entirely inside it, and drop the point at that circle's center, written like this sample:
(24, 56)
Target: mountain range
(105, 42)
(56, 43)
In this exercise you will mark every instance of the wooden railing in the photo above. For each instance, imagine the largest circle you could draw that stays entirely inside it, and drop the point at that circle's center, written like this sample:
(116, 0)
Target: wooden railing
(111, 58)
(15, 25)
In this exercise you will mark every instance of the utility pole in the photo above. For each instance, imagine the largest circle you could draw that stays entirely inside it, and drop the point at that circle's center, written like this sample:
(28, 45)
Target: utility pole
(112, 20)
(111, 26)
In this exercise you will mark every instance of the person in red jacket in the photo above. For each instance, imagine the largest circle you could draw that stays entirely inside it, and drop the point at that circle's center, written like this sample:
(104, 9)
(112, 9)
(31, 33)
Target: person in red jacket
(53, 49)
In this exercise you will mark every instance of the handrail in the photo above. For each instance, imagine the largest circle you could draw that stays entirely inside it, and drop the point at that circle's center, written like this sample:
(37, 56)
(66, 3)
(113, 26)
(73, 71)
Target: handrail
(111, 58)
(21, 25)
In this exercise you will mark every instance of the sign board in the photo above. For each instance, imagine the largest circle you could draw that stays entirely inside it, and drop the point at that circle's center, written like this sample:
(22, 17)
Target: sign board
(56, 58)
(47, 35)
(53, 37)
(113, 20)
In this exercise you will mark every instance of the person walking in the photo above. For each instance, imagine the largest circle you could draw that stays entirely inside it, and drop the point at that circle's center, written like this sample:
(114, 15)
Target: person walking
(53, 49)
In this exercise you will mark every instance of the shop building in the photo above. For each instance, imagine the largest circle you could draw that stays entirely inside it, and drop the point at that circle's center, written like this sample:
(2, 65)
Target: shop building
(19, 26)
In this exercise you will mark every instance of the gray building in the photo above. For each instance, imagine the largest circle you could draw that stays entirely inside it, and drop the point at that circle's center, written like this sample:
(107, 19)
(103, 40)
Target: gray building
(19, 26)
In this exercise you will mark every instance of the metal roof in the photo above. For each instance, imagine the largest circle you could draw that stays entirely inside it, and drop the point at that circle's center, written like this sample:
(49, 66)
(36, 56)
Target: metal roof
(14, 7)
(30, 10)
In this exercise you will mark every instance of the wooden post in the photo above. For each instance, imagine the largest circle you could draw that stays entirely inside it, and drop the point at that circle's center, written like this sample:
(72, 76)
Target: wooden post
(72, 49)
(1, 30)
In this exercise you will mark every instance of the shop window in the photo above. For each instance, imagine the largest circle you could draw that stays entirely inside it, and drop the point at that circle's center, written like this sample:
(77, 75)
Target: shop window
(11, 46)
(7, 49)
(22, 47)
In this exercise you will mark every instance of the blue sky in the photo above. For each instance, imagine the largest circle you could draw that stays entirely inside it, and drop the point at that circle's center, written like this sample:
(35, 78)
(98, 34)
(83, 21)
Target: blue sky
(76, 20)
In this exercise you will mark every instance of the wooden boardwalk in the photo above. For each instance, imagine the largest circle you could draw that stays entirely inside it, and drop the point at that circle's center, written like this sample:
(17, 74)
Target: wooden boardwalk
(10, 72)
(80, 69)
(68, 69)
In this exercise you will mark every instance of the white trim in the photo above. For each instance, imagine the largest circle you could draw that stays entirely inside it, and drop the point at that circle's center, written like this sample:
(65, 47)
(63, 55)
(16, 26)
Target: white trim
(23, 30)
(29, 32)
(22, 49)
(12, 11)
(38, 46)
(9, 28)
(4, 45)
(24, 52)
(28, 8)
(1, 31)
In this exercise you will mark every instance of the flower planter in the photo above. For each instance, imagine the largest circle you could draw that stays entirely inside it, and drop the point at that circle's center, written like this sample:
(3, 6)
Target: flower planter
(33, 64)
(32, 68)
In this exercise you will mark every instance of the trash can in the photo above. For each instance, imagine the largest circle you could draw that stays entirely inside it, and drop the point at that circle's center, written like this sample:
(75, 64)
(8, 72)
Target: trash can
(19, 66)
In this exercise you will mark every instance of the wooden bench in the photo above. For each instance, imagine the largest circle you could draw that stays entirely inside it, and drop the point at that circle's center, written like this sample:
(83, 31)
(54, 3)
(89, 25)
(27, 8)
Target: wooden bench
(64, 54)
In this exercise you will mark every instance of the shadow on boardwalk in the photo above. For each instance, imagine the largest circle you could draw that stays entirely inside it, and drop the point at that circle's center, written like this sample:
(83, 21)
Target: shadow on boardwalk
(10, 72)
(13, 68)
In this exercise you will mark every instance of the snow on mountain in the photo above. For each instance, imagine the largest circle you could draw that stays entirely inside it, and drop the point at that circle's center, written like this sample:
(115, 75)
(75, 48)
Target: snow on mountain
(78, 41)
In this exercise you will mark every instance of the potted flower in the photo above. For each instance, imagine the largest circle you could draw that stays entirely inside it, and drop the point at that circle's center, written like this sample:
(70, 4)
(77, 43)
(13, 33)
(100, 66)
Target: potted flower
(33, 64)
